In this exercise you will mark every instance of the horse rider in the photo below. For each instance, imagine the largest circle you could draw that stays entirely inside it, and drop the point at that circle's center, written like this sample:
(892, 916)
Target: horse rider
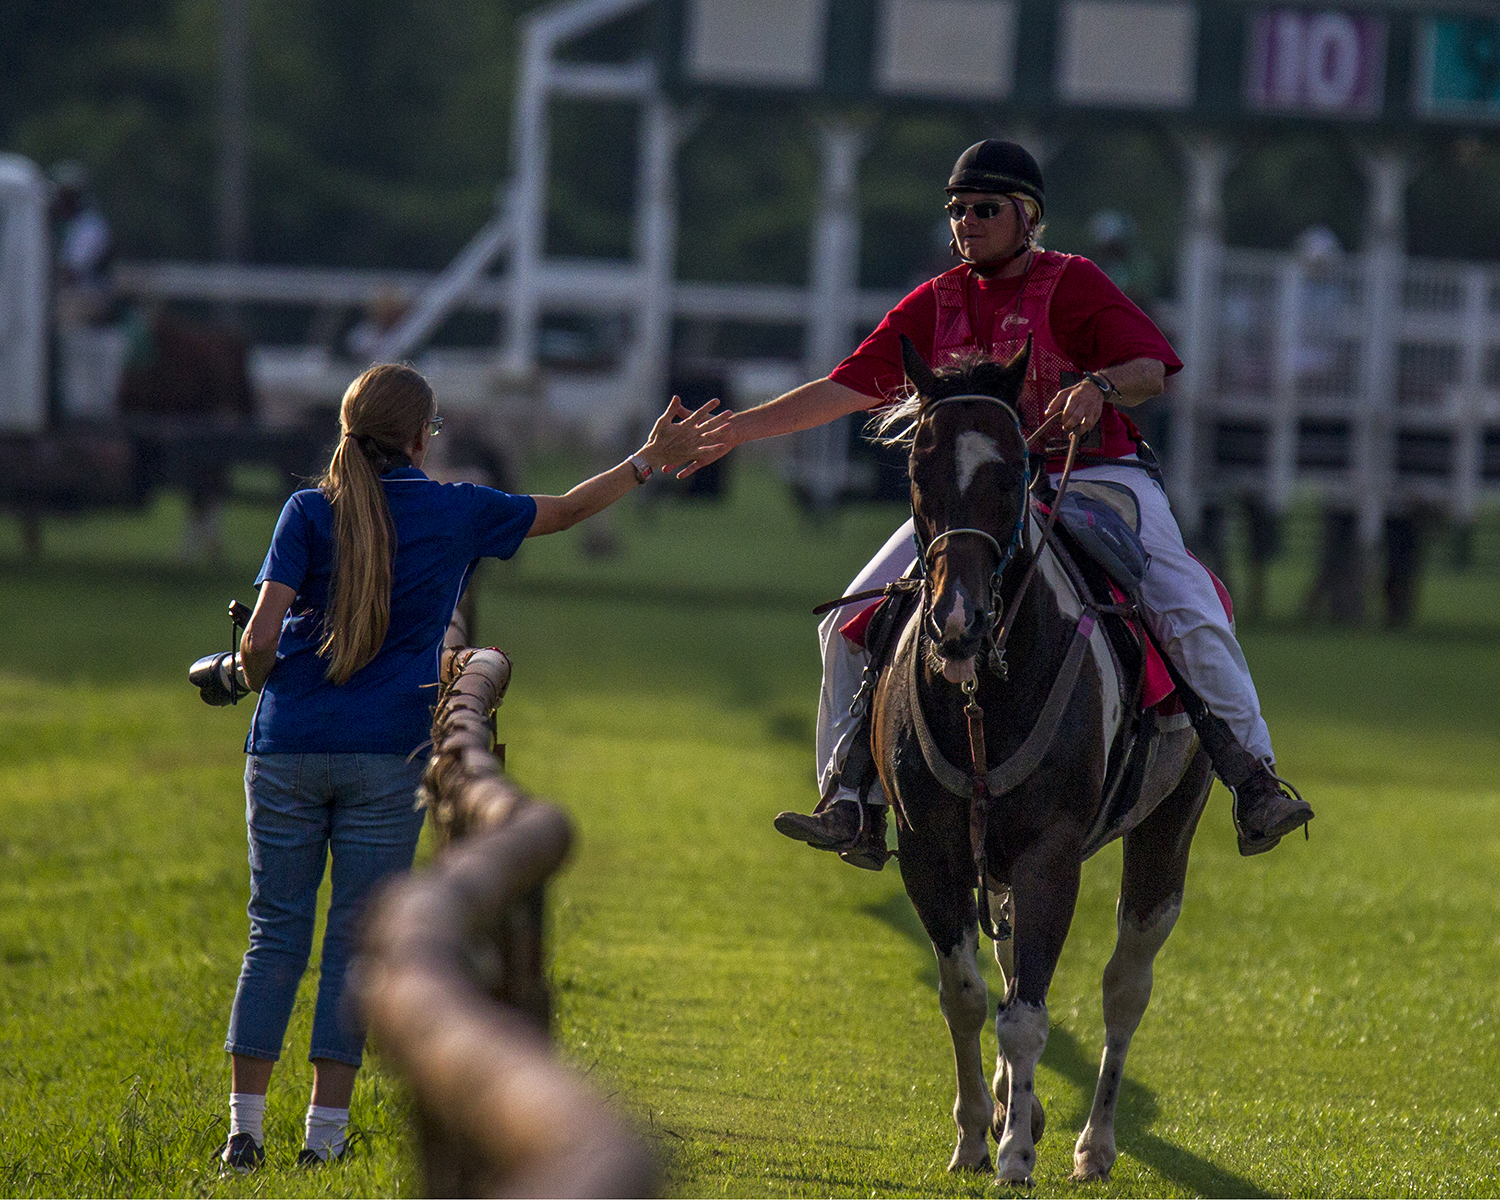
(1094, 354)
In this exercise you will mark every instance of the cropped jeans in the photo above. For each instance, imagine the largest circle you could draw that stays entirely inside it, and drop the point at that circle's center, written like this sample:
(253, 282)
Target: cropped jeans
(299, 807)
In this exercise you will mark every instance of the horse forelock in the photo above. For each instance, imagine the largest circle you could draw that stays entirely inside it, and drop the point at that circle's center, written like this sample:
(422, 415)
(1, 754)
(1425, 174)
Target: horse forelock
(974, 373)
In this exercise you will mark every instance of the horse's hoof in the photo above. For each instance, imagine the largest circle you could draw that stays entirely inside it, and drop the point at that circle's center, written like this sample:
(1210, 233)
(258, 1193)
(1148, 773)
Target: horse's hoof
(1015, 1169)
(1092, 1163)
(982, 1165)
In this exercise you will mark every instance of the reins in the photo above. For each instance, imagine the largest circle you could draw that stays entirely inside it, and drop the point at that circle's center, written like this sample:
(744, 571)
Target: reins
(1028, 757)
(983, 783)
(979, 804)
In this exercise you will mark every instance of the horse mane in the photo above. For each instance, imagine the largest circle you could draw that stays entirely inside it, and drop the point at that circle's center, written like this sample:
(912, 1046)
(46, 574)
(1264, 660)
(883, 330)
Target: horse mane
(973, 372)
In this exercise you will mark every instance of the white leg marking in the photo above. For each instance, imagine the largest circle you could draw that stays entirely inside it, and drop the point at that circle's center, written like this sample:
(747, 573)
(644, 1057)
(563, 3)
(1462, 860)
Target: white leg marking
(1112, 709)
(1021, 1030)
(972, 451)
(1056, 578)
(1003, 909)
(965, 1000)
(1127, 992)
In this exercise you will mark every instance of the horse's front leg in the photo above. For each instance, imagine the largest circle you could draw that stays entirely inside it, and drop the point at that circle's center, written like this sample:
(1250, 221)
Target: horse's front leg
(965, 1001)
(1044, 884)
(930, 865)
(1002, 918)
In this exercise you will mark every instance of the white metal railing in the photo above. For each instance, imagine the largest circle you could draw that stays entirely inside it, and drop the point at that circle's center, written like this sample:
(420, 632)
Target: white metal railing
(574, 285)
(1297, 401)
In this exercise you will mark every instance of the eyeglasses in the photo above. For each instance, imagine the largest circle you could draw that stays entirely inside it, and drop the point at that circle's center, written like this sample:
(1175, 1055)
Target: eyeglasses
(435, 426)
(984, 210)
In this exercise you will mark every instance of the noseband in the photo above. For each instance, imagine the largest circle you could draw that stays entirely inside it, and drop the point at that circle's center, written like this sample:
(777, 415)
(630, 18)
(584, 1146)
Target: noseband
(1003, 554)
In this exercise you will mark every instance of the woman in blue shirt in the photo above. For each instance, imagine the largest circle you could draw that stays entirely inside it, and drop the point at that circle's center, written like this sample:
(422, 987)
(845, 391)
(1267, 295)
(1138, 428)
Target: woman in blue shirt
(344, 646)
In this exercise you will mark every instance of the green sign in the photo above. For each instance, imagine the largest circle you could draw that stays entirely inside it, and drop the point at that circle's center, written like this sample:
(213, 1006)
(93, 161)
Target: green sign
(1459, 72)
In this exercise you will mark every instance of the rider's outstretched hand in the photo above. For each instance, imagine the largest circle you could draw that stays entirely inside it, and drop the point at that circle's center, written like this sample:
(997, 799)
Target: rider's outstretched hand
(681, 437)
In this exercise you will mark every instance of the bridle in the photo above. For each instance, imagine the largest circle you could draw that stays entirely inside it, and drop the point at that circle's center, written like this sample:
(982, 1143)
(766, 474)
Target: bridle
(990, 608)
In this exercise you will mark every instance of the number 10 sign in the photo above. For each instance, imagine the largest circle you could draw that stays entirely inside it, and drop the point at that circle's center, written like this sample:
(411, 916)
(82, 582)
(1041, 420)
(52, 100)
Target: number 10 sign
(1316, 62)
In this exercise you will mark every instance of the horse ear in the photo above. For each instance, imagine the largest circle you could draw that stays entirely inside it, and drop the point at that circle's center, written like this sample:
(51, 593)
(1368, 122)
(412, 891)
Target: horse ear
(1017, 365)
(918, 373)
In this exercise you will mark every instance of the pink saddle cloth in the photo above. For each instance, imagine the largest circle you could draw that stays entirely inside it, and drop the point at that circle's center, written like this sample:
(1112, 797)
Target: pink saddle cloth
(1157, 691)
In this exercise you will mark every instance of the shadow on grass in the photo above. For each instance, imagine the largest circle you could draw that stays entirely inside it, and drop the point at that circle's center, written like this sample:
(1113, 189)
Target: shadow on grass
(1065, 1054)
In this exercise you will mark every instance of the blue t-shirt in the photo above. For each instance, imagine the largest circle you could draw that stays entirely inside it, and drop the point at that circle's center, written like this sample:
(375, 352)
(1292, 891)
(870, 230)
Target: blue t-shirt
(442, 529)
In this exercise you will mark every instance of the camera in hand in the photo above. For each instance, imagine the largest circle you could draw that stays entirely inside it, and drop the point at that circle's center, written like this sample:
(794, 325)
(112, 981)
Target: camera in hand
(219, 677)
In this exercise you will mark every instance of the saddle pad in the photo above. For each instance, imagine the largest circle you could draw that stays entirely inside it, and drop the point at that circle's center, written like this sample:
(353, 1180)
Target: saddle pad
(1158, 688)
(1107, 538)
(855, 628)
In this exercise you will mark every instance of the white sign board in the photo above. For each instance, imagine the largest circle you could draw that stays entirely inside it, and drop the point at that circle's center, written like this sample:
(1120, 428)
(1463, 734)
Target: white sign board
(951, 48)
(760, 43)
(1135, 55)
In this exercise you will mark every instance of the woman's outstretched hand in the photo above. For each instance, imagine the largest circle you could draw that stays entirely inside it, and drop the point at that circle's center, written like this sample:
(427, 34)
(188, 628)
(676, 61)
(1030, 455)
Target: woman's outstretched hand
(679, 438)
(686, 438)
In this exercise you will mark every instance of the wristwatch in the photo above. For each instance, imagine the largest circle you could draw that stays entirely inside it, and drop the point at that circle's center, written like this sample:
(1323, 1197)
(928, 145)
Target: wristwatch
(640, 466)
(1102, 382)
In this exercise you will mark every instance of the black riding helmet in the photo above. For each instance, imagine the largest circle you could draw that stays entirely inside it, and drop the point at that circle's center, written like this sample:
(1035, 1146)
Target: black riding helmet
(996, 166)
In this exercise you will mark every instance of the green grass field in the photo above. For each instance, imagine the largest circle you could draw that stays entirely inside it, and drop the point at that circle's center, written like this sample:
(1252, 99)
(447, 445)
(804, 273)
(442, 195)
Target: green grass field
(1324, 1021)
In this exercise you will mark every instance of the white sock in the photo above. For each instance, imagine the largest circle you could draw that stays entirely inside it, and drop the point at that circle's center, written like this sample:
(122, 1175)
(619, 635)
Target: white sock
(326, 1130)
(247, 1114)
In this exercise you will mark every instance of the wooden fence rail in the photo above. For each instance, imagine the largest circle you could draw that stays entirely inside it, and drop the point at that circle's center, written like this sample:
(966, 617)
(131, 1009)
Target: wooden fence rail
(452, 980)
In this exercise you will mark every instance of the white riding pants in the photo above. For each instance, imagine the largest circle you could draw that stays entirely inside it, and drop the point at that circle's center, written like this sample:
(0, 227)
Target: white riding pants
(1179, 601)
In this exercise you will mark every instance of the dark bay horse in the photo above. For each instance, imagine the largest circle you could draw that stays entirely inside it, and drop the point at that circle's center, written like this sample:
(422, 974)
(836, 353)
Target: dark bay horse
(1056, 711)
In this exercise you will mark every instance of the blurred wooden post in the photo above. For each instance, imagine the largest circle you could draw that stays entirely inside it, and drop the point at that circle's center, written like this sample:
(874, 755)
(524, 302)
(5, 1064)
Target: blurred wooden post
(452, 979)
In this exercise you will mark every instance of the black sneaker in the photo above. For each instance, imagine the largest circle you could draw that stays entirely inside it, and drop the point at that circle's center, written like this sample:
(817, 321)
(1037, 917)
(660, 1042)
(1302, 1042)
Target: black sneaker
(1266, 809)
(240, 1155)
(308, 1157)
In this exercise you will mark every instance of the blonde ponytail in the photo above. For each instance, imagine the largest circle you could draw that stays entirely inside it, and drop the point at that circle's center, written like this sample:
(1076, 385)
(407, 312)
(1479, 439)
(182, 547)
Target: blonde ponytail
(382, 414)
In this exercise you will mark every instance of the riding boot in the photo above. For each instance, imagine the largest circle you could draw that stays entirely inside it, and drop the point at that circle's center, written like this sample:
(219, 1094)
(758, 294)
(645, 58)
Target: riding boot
(1266, 807)
(852, 828)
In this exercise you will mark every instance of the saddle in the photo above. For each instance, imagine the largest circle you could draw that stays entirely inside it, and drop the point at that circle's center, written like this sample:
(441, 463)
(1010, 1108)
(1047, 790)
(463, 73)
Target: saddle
(1096, 540)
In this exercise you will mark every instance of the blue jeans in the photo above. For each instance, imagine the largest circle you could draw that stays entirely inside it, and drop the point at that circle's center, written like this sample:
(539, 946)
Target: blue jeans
(299, 807)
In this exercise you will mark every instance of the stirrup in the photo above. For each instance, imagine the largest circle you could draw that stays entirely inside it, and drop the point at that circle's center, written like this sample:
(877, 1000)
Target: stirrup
(1262, 842)
(866, 851)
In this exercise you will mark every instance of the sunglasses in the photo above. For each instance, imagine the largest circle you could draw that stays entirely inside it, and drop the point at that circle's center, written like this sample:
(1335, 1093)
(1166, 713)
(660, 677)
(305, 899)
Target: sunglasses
(984, 210)
(435, 426)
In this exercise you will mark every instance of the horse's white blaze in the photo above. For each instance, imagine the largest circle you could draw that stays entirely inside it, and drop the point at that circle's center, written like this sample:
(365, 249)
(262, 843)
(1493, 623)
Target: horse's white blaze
(958, 615)
(965, 1000)
(1127, 992)
(972, 451)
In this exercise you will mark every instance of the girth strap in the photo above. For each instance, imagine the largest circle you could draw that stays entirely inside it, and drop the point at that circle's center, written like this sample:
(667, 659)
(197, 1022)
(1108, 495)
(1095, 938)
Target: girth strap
(1019, 767)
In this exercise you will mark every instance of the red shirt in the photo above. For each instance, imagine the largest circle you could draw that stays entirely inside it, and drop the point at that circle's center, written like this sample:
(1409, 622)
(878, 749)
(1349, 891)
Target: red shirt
(1092, 321)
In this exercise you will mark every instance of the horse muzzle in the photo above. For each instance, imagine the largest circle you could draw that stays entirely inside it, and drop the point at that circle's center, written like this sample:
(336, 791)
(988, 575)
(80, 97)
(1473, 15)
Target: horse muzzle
(958, 640)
